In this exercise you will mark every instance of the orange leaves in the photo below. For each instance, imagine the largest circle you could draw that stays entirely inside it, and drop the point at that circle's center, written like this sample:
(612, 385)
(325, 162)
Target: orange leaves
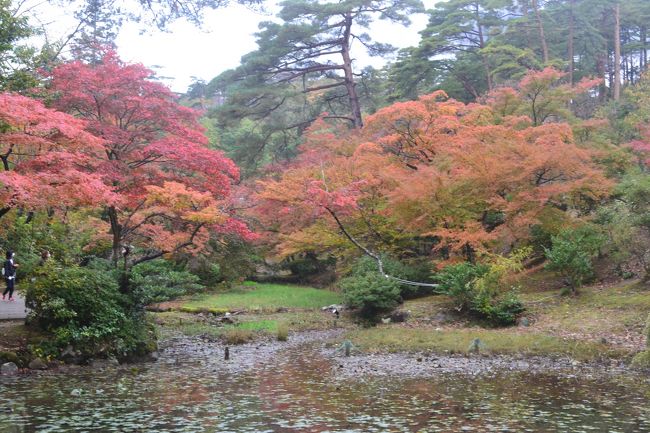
(474, 175)
(178, 201)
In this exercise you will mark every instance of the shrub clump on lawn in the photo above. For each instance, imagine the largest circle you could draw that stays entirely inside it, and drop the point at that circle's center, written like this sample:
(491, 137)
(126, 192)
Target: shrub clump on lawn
(371, 294)
(572, 254)
(420, 272)
(481, 289)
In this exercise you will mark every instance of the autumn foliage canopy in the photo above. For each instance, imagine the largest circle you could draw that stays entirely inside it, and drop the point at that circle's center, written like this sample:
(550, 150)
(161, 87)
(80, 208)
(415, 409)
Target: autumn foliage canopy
(471, 178)
(115, 140)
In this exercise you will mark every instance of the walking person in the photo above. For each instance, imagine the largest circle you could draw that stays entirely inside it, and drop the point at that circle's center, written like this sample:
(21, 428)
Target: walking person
(9, 272)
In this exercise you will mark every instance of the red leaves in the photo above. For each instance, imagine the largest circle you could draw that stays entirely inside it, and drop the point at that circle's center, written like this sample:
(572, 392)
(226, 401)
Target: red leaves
(51, 161)
(131, 147)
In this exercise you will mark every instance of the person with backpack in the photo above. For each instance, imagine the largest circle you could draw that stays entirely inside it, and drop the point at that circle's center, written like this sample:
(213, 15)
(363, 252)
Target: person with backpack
(9, 273)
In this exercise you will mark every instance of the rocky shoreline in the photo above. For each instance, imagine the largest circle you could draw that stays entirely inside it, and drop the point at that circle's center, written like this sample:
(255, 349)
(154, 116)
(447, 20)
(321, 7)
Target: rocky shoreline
(328, 347)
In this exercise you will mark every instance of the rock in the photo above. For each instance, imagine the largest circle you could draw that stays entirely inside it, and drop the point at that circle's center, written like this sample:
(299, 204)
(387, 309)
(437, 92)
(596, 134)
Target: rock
(37, 364)
(333, 307)
(103, 363)
(400, 316)
(71, 356)
(8, 368)
(9, 357)
(524, 321)
(282, 310)
(386, 320)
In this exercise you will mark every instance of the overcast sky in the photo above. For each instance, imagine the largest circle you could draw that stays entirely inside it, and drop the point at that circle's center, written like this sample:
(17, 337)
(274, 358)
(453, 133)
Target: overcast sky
(186, 52)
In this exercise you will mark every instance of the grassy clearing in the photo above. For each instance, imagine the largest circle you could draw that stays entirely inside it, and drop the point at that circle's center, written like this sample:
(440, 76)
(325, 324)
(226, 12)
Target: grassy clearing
(174, 323)
(601, 322)
(400, 339)
(263, 297)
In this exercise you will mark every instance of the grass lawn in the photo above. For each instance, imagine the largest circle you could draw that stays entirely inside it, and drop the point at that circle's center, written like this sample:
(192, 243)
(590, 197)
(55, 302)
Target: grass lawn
(600, 322)
(263, 297)
(494, 341)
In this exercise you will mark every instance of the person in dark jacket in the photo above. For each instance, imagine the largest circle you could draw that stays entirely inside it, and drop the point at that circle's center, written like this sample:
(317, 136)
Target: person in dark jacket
(9, 272)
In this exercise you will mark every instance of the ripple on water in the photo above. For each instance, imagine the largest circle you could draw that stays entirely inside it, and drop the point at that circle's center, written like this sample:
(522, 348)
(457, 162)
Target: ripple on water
(268, 389)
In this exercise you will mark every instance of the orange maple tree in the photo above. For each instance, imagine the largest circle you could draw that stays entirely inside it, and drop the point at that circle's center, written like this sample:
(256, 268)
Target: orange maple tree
(475, 177)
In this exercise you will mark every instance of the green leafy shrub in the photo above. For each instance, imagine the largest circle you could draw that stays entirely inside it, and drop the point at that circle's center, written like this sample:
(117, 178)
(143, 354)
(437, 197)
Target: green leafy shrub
(236, 258)
(30, 236)
(457, 281)
(481, 289)
(83, 307)
(159, 280)
(572, 254)
(419, 272)
(371, 293)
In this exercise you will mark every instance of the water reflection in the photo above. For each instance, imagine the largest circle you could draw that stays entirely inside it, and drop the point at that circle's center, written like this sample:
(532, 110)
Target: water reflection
(297, 391)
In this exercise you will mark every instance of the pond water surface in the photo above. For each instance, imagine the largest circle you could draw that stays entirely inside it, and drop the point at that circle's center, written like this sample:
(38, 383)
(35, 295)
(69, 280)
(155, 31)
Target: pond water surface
(190, 389)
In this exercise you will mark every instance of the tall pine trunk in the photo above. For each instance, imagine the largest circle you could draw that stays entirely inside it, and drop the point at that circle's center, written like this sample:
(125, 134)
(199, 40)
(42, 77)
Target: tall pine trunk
(617, 52)
(643, 55)
(350, 84)
(571, 50)
(540, 28)
(481, 39)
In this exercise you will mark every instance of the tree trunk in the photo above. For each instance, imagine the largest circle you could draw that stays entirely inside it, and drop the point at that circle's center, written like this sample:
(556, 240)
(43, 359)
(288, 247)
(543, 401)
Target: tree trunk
(524, 12)
(481, 38)
(617, 52)
(572, 19)
(540, 27)
(350, 84)
(116, 231)
(643, 55)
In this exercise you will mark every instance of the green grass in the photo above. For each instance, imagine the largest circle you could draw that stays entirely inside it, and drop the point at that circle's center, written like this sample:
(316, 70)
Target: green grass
(174, 323)
(264, 297)
(399, 339)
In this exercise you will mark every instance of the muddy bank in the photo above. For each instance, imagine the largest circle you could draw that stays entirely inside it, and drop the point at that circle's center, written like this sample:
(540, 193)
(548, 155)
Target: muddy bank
(327, 346)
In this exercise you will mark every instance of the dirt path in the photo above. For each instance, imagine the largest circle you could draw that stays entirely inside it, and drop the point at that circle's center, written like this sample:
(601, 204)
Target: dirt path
(13, 310)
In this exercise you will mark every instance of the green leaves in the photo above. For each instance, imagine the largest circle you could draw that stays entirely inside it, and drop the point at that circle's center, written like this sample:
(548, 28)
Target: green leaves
(572, 253)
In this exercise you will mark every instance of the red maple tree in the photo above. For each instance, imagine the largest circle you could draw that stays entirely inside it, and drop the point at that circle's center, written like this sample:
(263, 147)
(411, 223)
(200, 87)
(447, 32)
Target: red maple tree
(49, 161)
(171, 189)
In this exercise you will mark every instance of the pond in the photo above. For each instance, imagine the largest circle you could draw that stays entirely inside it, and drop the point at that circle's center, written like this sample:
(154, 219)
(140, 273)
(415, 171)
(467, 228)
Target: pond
(297, 389)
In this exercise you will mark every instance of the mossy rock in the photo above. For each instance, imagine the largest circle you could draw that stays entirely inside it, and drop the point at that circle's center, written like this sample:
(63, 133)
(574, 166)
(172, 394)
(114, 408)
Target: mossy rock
(203, 310)
(642, 360)
(9, 357)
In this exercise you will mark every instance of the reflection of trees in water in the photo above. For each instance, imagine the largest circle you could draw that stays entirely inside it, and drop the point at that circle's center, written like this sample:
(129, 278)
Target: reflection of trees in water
(301, 385)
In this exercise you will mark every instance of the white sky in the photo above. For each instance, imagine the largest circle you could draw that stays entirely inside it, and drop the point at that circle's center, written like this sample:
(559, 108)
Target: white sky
(186, 52)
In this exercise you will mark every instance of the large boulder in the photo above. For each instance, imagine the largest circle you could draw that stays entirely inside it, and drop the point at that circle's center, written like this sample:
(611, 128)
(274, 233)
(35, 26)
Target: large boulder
(37, 364)
(8, 368)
